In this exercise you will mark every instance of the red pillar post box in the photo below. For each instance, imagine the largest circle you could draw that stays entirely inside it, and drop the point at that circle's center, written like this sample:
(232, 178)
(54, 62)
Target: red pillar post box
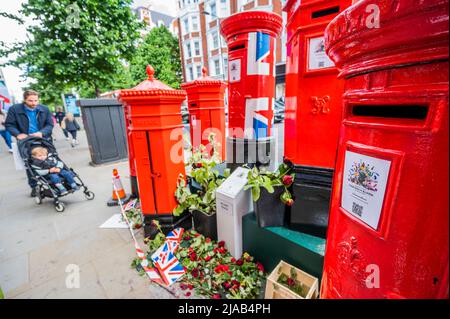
(131, 158)
(313, 111)
(156, 133)
(206, 110)
(388, 234)
(251, 42)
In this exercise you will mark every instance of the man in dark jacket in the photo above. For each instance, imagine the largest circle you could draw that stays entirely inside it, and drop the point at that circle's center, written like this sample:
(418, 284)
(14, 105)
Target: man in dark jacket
(30, 119)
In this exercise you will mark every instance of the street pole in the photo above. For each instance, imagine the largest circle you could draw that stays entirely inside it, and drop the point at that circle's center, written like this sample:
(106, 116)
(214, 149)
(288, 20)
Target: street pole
(220, 43)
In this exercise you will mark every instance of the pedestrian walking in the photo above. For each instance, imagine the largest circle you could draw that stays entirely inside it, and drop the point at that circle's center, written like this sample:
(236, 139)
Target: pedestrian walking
(3, 132)
(70, 124)
(30, 118)
(60, 115)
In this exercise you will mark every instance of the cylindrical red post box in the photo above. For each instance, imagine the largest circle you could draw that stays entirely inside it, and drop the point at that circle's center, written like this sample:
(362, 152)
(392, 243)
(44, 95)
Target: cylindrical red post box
(131, 158)
(313, 111)
(388, 235)
(157, 139)
(251, 42)
(206, 111)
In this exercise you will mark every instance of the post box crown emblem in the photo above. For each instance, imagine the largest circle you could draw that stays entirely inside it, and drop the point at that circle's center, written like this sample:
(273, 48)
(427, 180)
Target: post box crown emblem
(152, 87)
(383, 26)
(248, 21)
(204, 80)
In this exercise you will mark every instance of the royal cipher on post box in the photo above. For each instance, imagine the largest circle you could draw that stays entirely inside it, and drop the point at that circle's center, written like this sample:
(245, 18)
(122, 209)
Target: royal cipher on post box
(251, 42)
(157, 138)
(388, 234)
(206, 111)
(313, 111)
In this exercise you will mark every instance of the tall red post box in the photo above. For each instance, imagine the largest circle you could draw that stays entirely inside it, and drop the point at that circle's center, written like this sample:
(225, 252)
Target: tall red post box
(157, 139)
(206, 111)
(388, 234)
(131, 158)
(251, 38)
(313, 111)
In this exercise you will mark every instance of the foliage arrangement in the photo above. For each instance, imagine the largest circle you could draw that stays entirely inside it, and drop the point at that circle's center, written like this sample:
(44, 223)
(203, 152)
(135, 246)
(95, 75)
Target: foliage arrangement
(210, 269)
(292, 283)
(161, 50)
(78, 44)
(134, 216)
(282, 177)
(202, 171)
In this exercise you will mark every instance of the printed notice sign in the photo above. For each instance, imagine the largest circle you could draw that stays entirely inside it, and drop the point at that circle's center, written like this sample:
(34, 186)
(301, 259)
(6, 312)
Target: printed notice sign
(317, 57)
(235, 70)
(364, 186)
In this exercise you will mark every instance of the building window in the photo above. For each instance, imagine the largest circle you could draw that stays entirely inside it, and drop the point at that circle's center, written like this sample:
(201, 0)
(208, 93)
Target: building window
(194, 23)
(217, 67)
(191, 74)
(186, 25)
(213, 10)
(197, 48)
(225, 66)
(188, 50)
(215, 38)
(199, 71)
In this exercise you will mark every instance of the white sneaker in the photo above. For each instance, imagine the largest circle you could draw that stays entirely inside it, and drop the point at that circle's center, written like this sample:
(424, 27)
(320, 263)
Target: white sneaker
(76, 142)
(67, 138)
(10, 150)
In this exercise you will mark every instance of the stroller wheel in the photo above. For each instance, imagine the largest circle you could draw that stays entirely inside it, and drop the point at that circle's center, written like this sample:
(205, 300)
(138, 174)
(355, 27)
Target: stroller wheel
(89, 195)
(60, 207)
(38, 200)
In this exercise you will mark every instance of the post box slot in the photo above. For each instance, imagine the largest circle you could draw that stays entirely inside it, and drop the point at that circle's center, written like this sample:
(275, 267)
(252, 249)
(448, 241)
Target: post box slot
(193, 104)
(237, 47)
(413, 112)
(325, 12)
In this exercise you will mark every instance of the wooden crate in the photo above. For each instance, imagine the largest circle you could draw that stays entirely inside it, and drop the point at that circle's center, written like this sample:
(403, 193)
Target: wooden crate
(275, 290)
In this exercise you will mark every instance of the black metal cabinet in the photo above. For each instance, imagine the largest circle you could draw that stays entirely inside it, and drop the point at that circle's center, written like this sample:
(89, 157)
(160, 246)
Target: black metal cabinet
(104, 123)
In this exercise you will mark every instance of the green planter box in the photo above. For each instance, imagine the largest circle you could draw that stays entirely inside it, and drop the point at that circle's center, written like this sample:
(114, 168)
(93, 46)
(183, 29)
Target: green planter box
(271, 244)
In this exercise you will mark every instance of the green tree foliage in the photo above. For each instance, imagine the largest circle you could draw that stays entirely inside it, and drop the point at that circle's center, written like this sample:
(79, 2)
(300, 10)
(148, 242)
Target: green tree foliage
(77, 44)
(160, 49)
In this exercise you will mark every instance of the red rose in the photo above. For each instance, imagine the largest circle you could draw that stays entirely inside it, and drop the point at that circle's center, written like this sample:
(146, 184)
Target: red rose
(239, 262)
(290, 202)
(198, 165)
(188, 294)
(235, 283)
(190, 287)
(187, 238)
(194, 272)
(197, 234)
(221, 243)
(287, 180)
(215, 296)
(193, 256)
(208, 240)
(222, 250)
(207, 258)
(183, 286)
(290, 282)
(260, 267)
(190, 249)
(226, 285)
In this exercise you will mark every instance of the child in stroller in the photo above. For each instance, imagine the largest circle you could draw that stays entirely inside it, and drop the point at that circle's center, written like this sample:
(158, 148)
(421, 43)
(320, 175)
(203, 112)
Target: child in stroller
(49, 167)
(54, 178)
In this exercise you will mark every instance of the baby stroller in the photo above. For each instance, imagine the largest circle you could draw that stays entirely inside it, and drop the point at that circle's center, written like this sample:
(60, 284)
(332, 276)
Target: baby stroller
(44, 187)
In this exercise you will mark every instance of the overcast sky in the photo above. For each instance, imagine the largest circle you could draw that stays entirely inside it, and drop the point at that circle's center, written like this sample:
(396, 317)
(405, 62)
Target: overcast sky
(10, 31)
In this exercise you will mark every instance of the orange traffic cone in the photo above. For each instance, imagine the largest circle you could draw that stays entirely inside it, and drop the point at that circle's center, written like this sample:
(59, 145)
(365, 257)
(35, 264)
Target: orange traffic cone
(118, 192)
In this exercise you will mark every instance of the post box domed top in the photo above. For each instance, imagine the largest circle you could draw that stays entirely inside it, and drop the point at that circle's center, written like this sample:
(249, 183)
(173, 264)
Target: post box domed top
(151, 87)
(203, 81)
(373, 35)
(251, 21)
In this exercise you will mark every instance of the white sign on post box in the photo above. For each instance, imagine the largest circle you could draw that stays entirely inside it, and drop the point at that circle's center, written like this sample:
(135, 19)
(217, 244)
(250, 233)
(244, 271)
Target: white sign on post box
(233, 202)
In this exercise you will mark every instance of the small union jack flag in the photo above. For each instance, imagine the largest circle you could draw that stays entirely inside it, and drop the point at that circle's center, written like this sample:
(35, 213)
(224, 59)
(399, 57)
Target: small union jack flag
(130, 205)
(175, 234)
(168, 266)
